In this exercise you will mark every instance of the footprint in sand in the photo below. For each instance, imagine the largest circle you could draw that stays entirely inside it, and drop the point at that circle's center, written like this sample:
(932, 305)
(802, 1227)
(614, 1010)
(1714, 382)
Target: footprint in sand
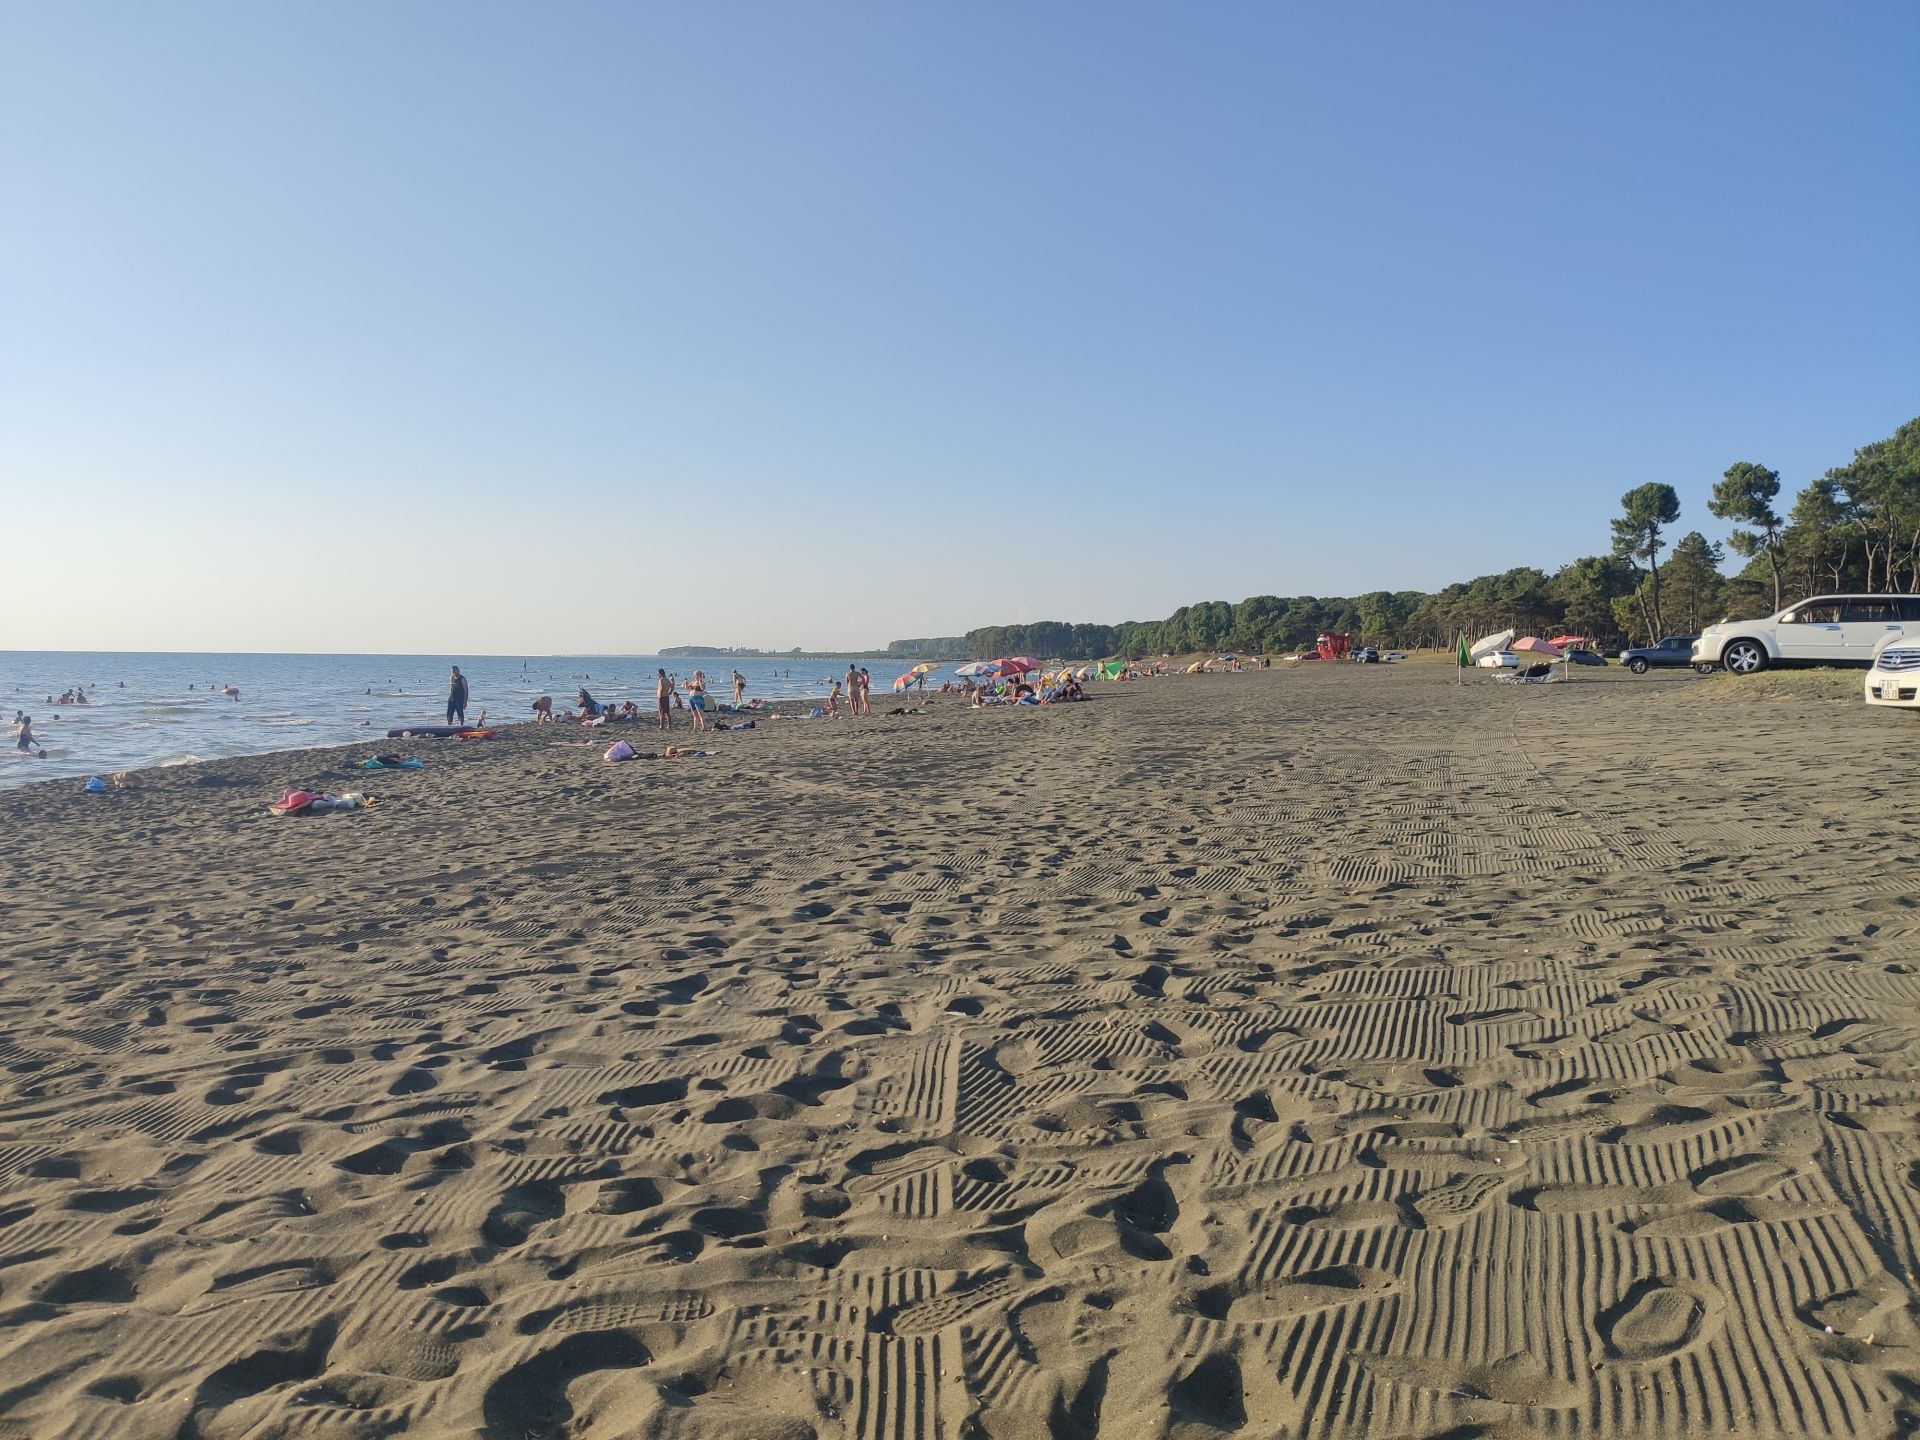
(1658, 1318)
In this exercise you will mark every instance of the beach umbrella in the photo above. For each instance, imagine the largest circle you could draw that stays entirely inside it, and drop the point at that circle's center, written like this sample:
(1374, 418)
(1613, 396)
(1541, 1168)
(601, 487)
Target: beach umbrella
(1534, 645)
(975, 667)
(1194, 668)
(901, 682)
(1004, 669)
(1488, 644)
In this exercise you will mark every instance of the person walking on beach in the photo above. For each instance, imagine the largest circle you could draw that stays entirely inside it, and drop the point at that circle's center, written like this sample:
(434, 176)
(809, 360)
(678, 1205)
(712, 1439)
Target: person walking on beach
(663, 697)
(866, 691)
(457, 696)
(697, 698)
(739, 689)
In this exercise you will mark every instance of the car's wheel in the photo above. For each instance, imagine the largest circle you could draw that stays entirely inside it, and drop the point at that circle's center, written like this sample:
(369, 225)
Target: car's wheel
(1744, 657)
(1637, 665)
(1705, 669)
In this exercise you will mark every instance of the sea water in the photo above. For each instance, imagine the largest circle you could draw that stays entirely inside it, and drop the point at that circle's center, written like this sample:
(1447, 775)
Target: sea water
(147, 709)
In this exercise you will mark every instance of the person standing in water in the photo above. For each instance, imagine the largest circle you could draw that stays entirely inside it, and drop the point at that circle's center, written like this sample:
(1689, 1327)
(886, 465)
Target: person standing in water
(739, 689)
(23, 733)
(457, 696)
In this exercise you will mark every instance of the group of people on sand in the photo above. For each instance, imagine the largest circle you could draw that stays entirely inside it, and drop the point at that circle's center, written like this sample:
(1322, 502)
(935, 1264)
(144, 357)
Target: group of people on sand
(667, 698)
(857, 690)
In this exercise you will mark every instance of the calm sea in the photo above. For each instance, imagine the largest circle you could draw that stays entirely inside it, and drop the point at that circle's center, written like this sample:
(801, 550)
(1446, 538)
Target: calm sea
(155, 709)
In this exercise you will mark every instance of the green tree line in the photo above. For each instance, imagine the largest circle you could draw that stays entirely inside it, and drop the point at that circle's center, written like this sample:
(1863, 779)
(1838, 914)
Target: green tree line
(1857, 527)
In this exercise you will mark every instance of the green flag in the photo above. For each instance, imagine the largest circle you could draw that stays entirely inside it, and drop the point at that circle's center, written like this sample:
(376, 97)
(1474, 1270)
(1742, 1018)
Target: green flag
(1463, 657)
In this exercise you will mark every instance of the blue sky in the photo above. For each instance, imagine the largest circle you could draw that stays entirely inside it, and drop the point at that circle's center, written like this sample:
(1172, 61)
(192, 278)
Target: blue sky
(492, 328)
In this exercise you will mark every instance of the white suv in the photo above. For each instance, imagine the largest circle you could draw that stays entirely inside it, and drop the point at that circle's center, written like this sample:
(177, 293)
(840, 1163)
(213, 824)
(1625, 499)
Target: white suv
(1826, 630)
(1895, 676)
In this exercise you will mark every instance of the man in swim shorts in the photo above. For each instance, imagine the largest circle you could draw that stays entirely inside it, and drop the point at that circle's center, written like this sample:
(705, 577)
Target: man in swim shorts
(663, 697)
(457, 697)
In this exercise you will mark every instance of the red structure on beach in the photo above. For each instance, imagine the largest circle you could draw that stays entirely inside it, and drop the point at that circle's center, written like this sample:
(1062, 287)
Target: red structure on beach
(1333, 646)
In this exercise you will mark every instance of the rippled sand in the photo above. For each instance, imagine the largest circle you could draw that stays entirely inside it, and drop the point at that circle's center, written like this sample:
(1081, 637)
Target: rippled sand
(1328, 1052)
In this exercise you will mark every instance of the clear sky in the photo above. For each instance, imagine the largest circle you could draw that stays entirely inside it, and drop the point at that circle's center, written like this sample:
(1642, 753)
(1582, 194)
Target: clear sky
(501, 328)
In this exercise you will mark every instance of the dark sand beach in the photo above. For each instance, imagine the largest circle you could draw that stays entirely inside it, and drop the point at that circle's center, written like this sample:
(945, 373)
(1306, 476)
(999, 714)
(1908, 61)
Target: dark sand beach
(1326, 1052)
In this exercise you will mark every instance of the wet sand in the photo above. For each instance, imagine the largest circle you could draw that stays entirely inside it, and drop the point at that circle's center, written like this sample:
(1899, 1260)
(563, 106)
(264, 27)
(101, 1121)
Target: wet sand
(1325, 1052)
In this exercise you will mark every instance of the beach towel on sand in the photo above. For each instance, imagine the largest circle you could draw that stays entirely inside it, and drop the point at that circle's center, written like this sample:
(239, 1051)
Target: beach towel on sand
(392, 762)
(310, 802)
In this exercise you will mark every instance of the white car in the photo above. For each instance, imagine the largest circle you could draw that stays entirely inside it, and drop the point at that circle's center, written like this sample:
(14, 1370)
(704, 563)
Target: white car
(1895, 676)
(1825, 630)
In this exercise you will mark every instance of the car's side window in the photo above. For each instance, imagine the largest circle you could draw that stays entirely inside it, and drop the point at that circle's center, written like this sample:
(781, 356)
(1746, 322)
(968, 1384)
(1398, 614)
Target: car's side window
(1865, 612)
(1907, 607)
(1828, 614)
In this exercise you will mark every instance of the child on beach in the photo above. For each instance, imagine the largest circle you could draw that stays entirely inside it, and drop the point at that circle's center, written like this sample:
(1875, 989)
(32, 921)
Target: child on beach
(833, 701)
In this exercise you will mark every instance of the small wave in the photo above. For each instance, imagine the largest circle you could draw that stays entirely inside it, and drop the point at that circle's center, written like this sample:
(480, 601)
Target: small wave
(288, 724)
(185, 758)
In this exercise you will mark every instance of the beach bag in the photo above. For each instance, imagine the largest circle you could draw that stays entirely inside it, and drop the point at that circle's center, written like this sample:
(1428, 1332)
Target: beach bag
(619, 750)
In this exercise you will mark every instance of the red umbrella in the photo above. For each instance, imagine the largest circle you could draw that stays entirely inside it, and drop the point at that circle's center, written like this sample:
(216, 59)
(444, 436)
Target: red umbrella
(1020, 665)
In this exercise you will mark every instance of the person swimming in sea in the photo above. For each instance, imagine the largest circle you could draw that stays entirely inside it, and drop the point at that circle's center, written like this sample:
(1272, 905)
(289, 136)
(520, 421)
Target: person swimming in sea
(23, 740)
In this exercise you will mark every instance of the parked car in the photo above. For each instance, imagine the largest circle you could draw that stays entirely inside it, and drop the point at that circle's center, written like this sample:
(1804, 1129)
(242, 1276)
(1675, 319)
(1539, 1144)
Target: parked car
(1894, 676)
(1393, 655)
(1824, 630)
(1578, 656)
(1674, 650)
(1366, 655)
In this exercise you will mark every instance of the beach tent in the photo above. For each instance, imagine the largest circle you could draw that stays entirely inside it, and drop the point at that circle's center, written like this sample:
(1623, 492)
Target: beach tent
(1111, 669)
(1488, 644)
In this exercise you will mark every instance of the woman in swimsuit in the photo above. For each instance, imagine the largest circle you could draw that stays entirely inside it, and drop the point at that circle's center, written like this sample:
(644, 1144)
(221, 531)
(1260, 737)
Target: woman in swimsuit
(697, 698)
